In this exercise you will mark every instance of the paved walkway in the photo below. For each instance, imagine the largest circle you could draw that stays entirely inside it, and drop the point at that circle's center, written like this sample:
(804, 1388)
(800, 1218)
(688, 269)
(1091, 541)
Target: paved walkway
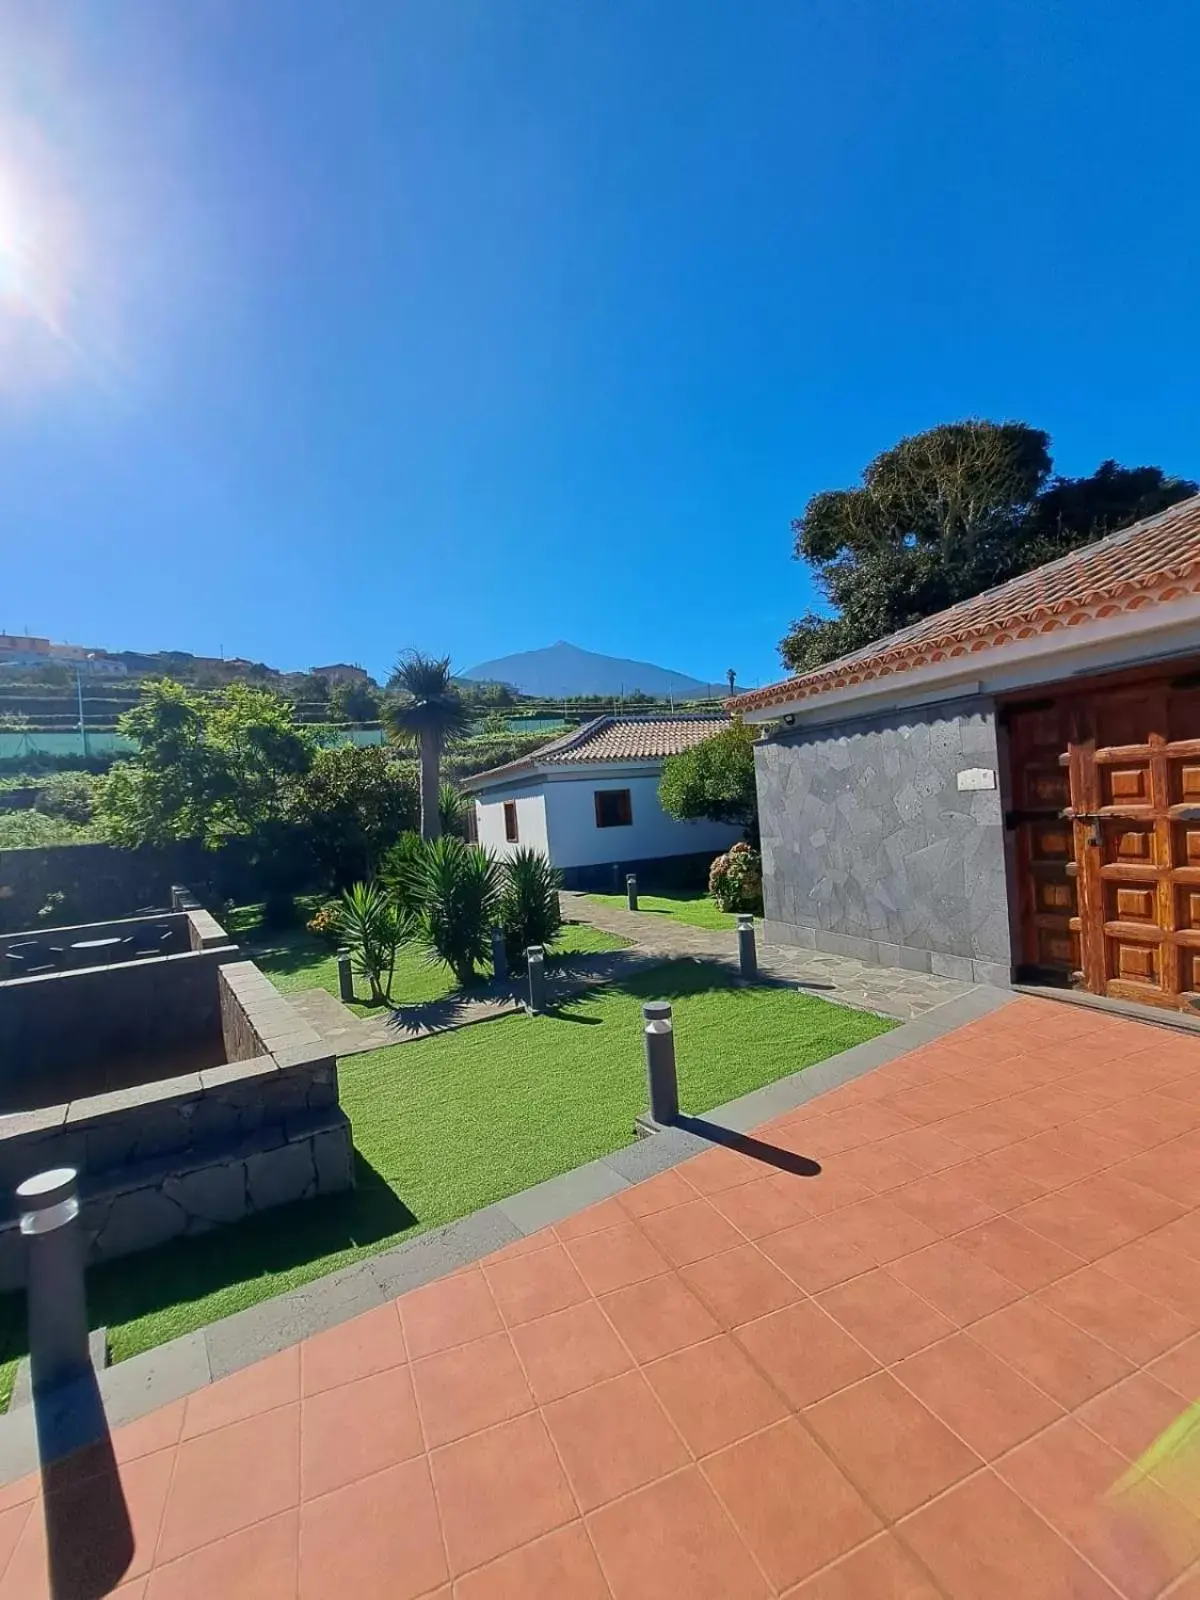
(926, 1336)
(889, 990)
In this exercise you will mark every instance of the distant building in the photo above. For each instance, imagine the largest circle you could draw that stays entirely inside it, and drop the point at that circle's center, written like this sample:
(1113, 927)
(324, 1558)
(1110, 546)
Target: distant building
(28, 651)
(341, 673)
(589, 801)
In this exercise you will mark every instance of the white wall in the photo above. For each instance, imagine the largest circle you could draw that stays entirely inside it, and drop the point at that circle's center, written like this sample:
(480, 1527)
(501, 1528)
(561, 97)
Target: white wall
(576, 841)
(531, 819)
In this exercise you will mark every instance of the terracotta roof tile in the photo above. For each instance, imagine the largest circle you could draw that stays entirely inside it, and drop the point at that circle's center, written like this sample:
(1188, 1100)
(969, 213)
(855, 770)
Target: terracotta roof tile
(1153, 561)
(613, 739)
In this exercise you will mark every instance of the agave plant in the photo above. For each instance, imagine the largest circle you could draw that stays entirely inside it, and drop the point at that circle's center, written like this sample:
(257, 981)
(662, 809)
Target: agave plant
(529, 908)
(458, 888)
(373, 927)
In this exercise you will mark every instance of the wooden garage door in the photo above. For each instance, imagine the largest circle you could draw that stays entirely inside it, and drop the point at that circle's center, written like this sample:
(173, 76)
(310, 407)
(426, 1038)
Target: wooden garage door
(1134, 768)
(1038, 740)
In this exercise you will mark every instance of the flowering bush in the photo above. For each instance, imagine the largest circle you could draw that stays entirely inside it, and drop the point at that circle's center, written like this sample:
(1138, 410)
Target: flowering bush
(327, 923)
(735, 880)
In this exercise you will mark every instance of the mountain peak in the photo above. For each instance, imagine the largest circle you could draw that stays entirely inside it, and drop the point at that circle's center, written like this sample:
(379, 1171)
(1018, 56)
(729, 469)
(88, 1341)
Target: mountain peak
(563, 669)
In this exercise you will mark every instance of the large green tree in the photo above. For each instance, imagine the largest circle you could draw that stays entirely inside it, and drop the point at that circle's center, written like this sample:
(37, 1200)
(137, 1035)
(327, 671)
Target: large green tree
(424, 708)
(945, 514)
(713, 780)
(355, 802)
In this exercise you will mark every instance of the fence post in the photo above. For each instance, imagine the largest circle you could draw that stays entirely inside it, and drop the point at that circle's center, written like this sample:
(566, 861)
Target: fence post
(535, 962)
(499, 955)
(661, 1078)
(747, 948)
(55, 1294)
(345, 976)
(631, 899)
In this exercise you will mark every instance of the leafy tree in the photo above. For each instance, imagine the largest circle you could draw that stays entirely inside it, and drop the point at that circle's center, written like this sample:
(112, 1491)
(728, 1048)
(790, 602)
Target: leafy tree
(353, 702)
(713, 780)
(354, 803)
(942, 516)
(426, 710)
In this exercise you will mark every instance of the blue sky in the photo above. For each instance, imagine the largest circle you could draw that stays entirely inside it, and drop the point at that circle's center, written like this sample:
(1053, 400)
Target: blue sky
(334, 328)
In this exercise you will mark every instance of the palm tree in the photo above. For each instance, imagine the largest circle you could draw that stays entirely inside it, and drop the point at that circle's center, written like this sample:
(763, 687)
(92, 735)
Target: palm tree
(426, 711)
(731, 674)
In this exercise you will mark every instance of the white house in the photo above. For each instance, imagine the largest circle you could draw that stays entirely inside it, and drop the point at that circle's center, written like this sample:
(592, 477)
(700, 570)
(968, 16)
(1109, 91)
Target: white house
(589, 800)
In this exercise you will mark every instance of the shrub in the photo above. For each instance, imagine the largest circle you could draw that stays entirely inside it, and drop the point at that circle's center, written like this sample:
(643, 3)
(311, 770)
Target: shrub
(529, 909)
(457, 887)
(399, 874)
(326, 923)
(452, 810)
(735, 880)
(70, 795)
(373, 928)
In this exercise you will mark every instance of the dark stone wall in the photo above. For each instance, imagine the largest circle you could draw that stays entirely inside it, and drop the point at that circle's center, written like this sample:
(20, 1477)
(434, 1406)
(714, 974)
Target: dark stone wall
(98, 882)
(871, 850)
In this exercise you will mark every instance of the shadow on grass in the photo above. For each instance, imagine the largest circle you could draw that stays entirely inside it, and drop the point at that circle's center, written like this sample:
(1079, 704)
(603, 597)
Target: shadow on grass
(278, 1241)
(770, 1154)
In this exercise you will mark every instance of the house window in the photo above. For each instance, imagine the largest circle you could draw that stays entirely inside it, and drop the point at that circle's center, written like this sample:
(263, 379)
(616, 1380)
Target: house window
(510, 822)
(614, 809)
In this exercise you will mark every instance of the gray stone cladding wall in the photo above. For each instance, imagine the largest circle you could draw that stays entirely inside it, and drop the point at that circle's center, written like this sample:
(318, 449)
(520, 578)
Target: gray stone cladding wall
(871, 850)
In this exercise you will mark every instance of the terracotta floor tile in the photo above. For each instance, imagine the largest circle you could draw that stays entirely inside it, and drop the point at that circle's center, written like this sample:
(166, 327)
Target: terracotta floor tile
(1180, 1369)
(990, 1128)
(1052, 1353)
(981, 1398)
(944, 1204)
(1133, 1414)
(259, 1563)
(1133, 1324)
(881, 1229)
(959, 1286)
(1044, 1162)
(533, 1286)
(452, 1311)
(12, 1526)
(378, 1539)
(498, 1490)
(690, 1232)
(835, 1186)
(659, 1193)
(593, 1219)
(928, 1148)
(1183, 1235)
(741, 1285)
(714, 1395)
(993, 1180)
(889, 1445)
(1136, 1534)
(880, 1170)
(262, 1387)
(103, 1531)
(1067, 1220)
(368, 1343)
(562, 1566)
(805, 1353)
(1132, 1203)
(982, 1542)
(527, 1246)
(21, 1491)
(475, 1386)
(227, 1480)
(614, 1258)
(762, 1482)
(1163, 1274)
(569, 1350)
(658, 1316)
(1018, 1254)
(348, 1432)
(815, 1255)
(719, 1169)
(885, 1316)
(764, 1206)
(880, 1570)
(158, 1430)
(613, 1438)
(672, 1539)
(862, 1124)
(1170, 1170)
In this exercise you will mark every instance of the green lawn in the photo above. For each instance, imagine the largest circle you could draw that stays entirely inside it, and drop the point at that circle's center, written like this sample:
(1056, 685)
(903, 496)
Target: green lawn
(449, 1124)
(295, 959)
(697, 910)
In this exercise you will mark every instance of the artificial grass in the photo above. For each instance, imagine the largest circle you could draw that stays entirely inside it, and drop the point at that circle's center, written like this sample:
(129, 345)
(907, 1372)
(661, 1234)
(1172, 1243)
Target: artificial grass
(697, 910)
(447, 1124)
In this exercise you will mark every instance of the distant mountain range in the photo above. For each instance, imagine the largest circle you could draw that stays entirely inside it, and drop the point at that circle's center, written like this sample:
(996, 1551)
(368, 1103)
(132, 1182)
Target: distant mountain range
(564, 669)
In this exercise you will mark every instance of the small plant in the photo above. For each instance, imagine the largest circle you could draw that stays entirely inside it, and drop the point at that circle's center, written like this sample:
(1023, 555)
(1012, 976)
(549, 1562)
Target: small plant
(52, 905)
(326, 923)
(457, 887)
(452, 810)
(373, 928)
(735, 880)
(529, 908)
(400, 871)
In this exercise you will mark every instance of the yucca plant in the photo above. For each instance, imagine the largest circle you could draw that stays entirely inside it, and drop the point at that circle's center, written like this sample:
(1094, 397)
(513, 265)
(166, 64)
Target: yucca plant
(458, 887)
(529, 908)
(452, 810)
(373, 927)
(399, 874)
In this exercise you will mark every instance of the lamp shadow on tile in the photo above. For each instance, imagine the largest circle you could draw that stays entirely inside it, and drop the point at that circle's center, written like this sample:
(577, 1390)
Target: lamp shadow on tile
(769, 1154)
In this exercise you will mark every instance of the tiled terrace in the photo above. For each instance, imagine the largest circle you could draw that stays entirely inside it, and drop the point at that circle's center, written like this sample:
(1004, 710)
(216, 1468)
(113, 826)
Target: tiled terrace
(933, 1368)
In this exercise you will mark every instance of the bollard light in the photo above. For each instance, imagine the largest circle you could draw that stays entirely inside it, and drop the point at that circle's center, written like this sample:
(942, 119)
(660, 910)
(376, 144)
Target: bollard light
(661, 1079)
(631, 899)
(535, 963)
(345, 976)
(57, 1303)
(499, 955)
(747, 948)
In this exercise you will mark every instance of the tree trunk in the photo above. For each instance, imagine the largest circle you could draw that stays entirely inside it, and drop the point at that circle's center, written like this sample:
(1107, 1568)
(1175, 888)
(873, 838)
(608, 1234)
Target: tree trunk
(431, 822)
